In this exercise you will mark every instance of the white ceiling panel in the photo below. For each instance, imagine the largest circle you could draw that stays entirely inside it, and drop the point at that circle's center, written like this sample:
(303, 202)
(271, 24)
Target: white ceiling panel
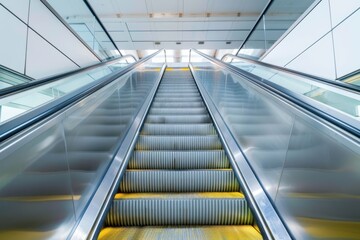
(145, 45)
(219, 25)
(166, 26)
(194, 36)
(242, 6)
(114, 26)
(155, 36)
(242, 25)
(198, 6)
(165, 6)
(193, 25)
(217, 35)
(120, 36)
(125, 45)
(139, 26)
(110, 8)
(237, 35)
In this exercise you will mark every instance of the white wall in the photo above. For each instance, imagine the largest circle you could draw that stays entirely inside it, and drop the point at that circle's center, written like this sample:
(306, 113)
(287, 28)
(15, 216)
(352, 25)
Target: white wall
(35, 43)
(325, 43)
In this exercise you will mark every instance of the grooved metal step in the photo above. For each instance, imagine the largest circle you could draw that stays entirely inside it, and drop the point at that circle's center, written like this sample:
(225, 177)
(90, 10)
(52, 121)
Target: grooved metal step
(178, 143)
(179, 176)
(141, 209)
(178, 105)
(219, 180)
(177, 99)
(169, 94)
(179, 111)
(201, 118)
(179, 160)
(178, 129)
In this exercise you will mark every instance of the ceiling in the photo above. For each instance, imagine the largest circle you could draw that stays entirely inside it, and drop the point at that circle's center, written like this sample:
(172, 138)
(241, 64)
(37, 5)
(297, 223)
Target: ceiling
(139, 27)
(178, 24)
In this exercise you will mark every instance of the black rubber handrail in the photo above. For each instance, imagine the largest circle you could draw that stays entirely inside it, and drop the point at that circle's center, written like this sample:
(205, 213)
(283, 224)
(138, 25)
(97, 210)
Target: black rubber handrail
(338, 119)
(339, 84)
(13, 126)
(29, 85)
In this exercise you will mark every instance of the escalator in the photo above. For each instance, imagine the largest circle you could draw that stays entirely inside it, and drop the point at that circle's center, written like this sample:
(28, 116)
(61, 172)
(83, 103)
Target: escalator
(179, 183)
(205, 152)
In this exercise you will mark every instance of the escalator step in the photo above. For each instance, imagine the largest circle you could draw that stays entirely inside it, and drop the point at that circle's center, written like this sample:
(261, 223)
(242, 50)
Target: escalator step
(179, 160)
(201, 118)
(177, 94)
(178, 129)
(218, 180)
(178, 105)
(182, 232)
(178, 143)
(179, 111)
(139, 209)
(177, 99)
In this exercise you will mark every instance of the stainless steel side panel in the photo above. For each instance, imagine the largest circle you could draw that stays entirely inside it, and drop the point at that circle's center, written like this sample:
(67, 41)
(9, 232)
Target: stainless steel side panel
(309, 167)
(50, 172)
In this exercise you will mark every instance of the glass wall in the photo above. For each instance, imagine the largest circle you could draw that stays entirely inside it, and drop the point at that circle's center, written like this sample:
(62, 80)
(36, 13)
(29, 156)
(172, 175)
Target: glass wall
(343, 100)
(50, 171)
(10, 78)
(14, 105)
(78, 16)
(278, 18)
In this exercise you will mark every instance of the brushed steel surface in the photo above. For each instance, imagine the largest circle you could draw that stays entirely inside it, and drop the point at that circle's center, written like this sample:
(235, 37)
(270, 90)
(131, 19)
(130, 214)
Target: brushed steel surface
(307, 165)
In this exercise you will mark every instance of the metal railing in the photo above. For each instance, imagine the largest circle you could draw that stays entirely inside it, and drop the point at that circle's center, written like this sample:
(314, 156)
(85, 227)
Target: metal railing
(331, 114)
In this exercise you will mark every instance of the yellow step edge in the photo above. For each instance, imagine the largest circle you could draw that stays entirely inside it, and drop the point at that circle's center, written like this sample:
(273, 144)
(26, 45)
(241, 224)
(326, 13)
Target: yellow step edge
(177, 170)
(179, 195)
(177, 69)
(183, 232)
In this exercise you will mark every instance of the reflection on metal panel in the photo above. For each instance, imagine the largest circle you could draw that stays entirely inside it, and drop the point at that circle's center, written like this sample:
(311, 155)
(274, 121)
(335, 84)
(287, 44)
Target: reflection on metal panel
(49, 172)
(309, 167)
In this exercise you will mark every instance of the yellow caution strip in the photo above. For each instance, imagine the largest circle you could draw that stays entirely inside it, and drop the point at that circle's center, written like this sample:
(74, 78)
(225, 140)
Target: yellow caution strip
(179, 195)
(182, 232)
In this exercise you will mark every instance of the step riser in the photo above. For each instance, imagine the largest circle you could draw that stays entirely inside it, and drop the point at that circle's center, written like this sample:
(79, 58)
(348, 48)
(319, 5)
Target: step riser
(178, 129)
(178, 119)
(178, 143)
(178, 105)
(178, 160)
(180, 111)
(159, 212)
(179, 181)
